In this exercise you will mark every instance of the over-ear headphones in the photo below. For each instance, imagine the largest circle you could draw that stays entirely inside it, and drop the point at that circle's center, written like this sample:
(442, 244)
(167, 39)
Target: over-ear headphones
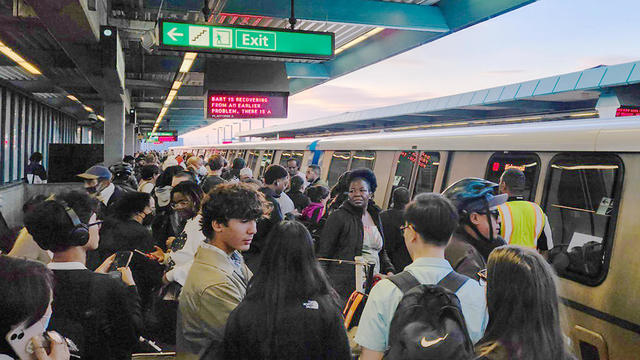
(79, 236)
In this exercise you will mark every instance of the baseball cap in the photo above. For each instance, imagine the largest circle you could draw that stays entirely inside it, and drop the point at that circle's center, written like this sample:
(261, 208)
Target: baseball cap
(96, 172)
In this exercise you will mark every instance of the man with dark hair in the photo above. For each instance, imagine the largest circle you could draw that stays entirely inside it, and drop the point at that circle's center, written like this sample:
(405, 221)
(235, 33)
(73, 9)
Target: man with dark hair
(100, 313)
(35, 172)
(391, 223)
(215, 164)
(218, 278)
(293, 168)
(181, 177)
(430, 219)
(523, 222)
(313, 176)
(148, 176)
(276, 180)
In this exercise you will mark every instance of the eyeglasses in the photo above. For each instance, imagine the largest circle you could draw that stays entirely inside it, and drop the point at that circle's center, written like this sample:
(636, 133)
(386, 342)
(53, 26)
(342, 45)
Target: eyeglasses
(482, 277)
(97, 223)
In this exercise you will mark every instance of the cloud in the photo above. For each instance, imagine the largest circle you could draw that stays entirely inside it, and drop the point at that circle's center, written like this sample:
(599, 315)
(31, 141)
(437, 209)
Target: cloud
(504, 72)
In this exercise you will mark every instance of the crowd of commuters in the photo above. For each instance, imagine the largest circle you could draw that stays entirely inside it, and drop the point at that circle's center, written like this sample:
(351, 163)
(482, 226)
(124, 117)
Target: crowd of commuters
(205, 259)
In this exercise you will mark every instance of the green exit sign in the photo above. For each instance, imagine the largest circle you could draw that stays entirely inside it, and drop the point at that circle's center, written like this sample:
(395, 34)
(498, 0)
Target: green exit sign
(245, 40)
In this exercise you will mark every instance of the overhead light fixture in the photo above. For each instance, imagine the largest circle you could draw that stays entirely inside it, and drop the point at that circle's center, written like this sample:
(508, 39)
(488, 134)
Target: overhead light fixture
(358, 40)
(176, 85)
(101, 118)
(88, 108)
(187, 62)
(18, 59)
(71, 97)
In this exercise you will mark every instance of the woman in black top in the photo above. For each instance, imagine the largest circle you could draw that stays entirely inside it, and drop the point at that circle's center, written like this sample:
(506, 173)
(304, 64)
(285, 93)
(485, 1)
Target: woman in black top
(354, 229)
(300, 200)
(290, 310)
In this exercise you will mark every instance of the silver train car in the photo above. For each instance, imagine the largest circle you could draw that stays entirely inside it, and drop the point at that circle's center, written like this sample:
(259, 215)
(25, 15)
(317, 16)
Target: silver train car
(585, 174)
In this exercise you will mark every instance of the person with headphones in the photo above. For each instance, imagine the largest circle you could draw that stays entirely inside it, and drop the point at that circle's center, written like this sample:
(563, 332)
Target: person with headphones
(99, 312)
(479, 227)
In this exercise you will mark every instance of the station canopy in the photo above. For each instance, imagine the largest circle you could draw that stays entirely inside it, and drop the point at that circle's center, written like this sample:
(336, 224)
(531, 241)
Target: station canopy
(90, 52)
(602, 91)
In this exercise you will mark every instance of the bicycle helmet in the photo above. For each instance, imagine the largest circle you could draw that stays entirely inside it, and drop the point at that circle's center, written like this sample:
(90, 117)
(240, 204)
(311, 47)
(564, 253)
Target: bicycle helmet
(471, 195)
(121, 169)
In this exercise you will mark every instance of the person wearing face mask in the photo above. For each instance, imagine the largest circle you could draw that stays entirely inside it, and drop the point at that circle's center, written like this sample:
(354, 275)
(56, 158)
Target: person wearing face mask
(97, 183)
(354, 229)
(185, 201)
(100, 313)
(165, 223)
(26, 303)
(196, 167)
(133, 215)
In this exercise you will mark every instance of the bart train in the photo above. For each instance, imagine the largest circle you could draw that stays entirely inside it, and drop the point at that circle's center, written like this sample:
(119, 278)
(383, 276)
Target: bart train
(584, 173)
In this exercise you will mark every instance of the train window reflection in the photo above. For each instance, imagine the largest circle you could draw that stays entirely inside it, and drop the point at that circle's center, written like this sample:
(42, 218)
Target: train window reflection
(267, 159)
(363, 159)
(404, 169)
(253, 159)
(427, 164)
(581, 201)
(291, 154)
(339, 164)
(529, 163)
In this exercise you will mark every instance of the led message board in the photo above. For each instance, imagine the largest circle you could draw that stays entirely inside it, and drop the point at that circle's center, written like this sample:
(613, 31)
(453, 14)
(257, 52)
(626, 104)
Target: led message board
(246, 105)
(160, 137)
(246, 40)
(628, 111)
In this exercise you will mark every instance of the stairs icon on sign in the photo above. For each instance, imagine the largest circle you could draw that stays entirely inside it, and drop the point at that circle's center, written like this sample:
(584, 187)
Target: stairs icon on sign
(199, 36)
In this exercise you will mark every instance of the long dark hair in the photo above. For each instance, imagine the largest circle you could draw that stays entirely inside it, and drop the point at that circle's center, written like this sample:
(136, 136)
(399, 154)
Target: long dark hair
(522, 300)
(289, 273)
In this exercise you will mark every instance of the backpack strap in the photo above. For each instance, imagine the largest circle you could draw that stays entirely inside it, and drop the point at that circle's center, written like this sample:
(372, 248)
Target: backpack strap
(453, 281)
(404, 281)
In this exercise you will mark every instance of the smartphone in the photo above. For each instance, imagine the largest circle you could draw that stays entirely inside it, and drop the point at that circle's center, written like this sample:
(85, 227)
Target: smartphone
(179, 242)
(19, 338)
(122, 259)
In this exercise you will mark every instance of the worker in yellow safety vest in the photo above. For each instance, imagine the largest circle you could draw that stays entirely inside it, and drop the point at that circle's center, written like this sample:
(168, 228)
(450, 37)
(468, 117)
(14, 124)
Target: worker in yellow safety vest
(523, 223)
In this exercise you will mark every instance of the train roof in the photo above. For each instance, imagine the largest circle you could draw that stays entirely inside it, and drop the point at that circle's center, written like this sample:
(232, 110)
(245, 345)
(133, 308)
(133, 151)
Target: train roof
(620, 134)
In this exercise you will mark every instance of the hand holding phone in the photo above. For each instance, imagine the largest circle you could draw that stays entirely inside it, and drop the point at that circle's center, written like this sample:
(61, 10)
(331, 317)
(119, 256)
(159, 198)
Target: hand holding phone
(122, 260)
(54, 343)
(33, 343)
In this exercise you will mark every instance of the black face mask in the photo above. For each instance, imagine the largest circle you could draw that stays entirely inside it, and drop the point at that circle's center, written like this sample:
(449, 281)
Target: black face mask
(148, 219)
(92, 190)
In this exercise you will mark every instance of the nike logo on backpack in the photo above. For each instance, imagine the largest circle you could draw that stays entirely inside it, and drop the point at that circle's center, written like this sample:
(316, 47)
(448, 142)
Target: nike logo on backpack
(426, 343)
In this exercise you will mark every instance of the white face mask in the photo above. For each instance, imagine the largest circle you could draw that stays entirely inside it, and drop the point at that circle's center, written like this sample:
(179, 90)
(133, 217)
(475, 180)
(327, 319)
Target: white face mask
(202, 171)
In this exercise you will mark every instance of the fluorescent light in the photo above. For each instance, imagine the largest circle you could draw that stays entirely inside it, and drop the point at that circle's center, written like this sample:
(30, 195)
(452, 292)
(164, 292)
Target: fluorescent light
(18, 59)
(100, 117)
(71, 97)
(358, 40)
(187, 62)
(176, 85)
(88, 108)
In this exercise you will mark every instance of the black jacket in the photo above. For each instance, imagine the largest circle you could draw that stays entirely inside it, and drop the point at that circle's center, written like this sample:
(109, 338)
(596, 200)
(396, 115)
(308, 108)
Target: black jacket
(264, 226)
(342, 238)
(300, 200)
(393, 239)
(310, 329)
(107, 311)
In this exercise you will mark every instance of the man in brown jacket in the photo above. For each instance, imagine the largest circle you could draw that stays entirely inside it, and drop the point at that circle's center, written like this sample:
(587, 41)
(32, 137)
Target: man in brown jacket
(218, 278)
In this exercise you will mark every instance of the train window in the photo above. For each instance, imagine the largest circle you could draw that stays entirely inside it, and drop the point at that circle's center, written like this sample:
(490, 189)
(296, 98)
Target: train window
(529, 163)
(582, 195)
(404, 169)
(253, 159)
(242, 153)
(427, 169)
(339, 164)
(286, 154)
(363, 159)
(267, 158)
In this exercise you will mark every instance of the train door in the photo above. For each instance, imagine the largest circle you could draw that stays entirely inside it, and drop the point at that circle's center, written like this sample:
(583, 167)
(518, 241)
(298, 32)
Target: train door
(528, 162)
(415, 170)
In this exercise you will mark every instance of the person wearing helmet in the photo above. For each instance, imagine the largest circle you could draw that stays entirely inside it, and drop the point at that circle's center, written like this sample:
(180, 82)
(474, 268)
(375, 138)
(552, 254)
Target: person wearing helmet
(479, 227)
(123, 175)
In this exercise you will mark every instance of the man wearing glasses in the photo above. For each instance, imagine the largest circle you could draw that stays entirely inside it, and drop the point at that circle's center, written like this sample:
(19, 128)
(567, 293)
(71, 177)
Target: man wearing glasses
(98, 312)
(430, 219)
(479, 228)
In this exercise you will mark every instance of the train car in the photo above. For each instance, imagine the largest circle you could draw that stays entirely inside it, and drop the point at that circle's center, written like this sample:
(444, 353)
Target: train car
(584, 173)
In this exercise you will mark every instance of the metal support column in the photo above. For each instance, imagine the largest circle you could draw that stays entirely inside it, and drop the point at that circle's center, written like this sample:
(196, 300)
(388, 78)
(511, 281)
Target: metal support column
(113, 132)
(129, 139)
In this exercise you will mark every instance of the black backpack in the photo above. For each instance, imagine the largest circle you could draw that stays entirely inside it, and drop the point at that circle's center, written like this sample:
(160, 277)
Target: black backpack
(428, 322)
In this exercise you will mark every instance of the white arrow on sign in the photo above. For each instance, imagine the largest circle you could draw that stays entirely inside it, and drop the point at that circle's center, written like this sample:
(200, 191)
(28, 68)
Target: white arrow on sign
(172, 34)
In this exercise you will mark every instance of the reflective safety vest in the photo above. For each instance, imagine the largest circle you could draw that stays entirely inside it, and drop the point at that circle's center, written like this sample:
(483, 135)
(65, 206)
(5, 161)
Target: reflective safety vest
(522, 223)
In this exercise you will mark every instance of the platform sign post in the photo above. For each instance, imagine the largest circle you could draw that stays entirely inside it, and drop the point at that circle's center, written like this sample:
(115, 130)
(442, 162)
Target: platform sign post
(245, 40)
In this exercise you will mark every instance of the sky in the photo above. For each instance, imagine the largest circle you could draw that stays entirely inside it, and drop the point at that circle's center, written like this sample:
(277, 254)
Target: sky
(545, 38)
